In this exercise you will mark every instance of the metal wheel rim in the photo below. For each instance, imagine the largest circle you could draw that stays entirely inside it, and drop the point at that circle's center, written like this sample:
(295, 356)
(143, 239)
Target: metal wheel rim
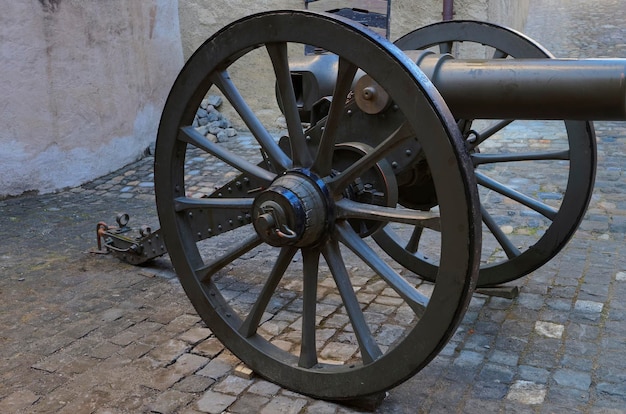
(453, 289)
(581, 138)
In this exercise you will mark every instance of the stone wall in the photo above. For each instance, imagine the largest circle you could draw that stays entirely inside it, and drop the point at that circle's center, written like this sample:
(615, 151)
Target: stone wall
(201, 18)
(83, 84)
(407, 15)
(84, 81)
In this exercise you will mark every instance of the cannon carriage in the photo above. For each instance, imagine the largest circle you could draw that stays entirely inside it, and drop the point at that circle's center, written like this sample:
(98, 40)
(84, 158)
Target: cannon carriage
(306, 254)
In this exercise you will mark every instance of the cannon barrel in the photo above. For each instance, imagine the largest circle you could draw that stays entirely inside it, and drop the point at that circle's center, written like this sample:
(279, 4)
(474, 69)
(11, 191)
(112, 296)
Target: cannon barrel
(587, 89)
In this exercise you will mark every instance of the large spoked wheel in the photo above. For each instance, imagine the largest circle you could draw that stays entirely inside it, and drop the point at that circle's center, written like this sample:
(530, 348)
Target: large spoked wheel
(249, 254)
(535, 178)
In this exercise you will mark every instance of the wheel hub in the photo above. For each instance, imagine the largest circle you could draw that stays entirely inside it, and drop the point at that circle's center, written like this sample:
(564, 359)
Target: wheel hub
(293, 211)
(376, 186)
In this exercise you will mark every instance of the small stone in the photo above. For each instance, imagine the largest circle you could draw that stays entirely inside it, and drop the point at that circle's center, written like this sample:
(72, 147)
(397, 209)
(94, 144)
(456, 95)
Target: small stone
(203, 130)
(169, 351)
(194, 384)
(215, 100)
(215, 402)
(573, 379)
(283, 404)
(588, 306)
(244, 372)
(607, 388)
(189, 363)
(211, 137)
(469, 359)
(232, 384)
(209, 347)
(215, 369)
(527, 392)
(621, 276)
(221, 136)
(214, 128)
(169, 401)
(281, 122)
(507, 229)
(162, 379)
(249, 403)
(201, 113)
(214, 116)
(263, 387)
(231, 132)
(202, 122)
(549, 329)
(533, 374)
(195, 335)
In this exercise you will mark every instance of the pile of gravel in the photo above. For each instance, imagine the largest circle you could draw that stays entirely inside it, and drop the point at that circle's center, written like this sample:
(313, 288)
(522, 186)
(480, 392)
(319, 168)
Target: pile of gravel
(210, 122)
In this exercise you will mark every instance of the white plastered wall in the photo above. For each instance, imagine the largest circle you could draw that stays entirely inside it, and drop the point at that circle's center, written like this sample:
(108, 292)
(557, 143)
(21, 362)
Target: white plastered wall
(82, 87)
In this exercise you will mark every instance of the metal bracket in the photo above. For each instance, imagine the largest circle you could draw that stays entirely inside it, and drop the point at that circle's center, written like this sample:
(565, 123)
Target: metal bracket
(132, 249)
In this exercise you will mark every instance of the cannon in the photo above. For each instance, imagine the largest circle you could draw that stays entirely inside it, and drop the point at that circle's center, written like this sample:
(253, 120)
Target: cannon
(305, 253)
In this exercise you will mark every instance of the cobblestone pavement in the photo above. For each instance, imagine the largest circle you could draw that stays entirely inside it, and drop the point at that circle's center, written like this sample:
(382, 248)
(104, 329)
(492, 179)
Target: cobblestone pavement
(84, 333)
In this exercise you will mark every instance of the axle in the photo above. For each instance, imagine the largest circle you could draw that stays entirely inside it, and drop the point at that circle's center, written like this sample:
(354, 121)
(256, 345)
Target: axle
(588, 89)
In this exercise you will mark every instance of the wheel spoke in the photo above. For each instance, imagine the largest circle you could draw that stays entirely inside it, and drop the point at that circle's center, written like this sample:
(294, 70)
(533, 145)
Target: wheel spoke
(354, 242)
(280, 61)
(413, 243)
(500, 54)
(367, 344)
(445, 47)
(488, 132)
(308, 350)
(190, 135)
(509, 248)
(345, 76)
(223, 81)
(205, 272)
(187, 203)
(479, 158)
(543, 209)
(347, 208)
(250, 325)
(340, 182)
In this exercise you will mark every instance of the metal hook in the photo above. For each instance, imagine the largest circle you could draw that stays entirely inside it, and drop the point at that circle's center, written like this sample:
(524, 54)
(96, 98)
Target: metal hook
(287, 233)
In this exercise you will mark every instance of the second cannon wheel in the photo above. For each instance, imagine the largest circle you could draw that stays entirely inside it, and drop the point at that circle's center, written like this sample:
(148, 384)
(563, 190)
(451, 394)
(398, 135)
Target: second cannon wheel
(535, 177)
